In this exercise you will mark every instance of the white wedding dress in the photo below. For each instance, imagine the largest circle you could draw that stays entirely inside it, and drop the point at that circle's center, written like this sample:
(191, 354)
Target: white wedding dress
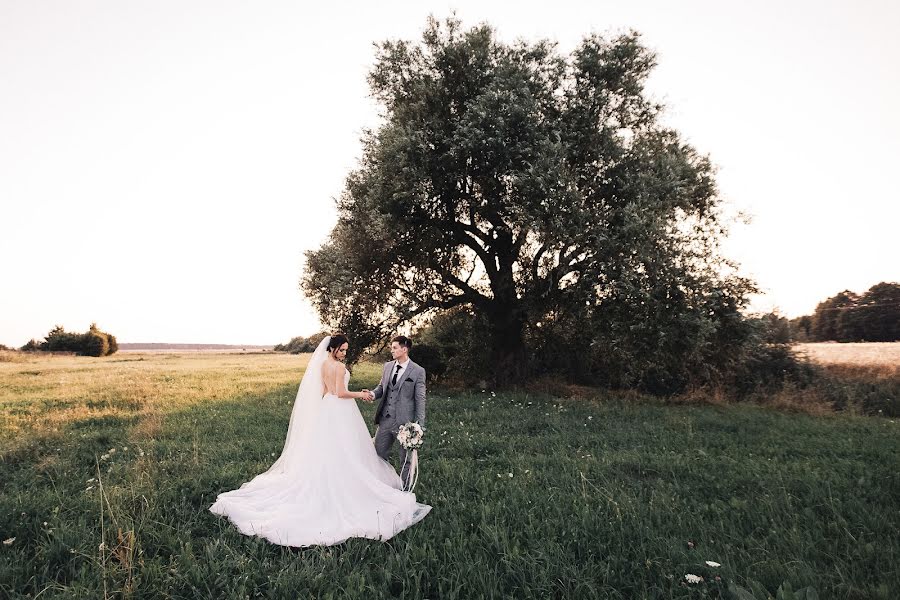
(328, 484)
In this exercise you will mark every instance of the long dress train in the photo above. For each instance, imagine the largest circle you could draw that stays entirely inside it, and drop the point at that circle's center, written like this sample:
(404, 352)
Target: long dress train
(329, 484)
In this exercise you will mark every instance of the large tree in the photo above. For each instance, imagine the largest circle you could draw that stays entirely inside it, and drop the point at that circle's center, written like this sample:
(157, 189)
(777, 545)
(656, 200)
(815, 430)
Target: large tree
(522, 184)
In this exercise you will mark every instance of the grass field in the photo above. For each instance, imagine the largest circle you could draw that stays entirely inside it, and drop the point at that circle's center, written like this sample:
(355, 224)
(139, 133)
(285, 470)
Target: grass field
(107, 468)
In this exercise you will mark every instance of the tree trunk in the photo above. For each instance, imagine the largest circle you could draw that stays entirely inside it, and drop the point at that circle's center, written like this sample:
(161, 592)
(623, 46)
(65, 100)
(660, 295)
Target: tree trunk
(509, 357)
(509, 360)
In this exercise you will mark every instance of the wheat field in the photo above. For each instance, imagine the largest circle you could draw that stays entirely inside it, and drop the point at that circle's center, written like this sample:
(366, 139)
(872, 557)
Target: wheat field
(881, 354)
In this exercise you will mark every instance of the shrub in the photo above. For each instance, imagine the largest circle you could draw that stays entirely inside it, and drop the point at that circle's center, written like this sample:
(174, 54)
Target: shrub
(455, 342)
(60, 340)
(31, 346)
(94, 343)
(430, 358)
(300, 344)
(768, 367)
(113, 344)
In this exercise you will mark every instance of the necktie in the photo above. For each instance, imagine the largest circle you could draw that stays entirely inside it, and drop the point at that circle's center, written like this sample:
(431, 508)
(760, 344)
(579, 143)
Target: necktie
(394, 380)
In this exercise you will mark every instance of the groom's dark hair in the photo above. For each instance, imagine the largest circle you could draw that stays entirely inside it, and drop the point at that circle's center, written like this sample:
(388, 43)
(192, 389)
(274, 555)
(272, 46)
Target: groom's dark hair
(403, 341)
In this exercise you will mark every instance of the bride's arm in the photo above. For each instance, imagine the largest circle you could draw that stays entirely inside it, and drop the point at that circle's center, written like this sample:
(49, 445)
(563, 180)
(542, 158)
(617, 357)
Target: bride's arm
(341, 389)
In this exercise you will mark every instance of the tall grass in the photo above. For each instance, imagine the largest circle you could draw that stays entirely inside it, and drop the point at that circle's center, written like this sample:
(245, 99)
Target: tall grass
(108, 467)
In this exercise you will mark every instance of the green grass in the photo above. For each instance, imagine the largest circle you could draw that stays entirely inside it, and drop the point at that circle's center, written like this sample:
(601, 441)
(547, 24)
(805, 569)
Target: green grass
(533, 496)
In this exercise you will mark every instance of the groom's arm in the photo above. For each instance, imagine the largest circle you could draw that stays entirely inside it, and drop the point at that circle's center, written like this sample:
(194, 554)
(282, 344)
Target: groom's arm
(379, 391)
(420, 398)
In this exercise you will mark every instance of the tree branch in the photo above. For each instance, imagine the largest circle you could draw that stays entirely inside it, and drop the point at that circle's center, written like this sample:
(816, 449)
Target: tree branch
(471, 294)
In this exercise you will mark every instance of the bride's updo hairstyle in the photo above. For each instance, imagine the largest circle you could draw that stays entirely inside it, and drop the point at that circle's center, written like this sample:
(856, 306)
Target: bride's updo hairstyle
(336, 342)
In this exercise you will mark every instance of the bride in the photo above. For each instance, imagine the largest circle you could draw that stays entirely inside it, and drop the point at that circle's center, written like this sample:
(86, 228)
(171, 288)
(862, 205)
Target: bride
(328, 484)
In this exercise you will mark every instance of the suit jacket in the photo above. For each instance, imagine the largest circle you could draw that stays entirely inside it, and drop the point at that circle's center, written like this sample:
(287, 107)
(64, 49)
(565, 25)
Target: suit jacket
(409, 398)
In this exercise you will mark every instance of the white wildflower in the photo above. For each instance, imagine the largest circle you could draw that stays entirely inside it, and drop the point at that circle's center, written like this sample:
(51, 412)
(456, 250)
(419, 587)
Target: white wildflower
(510, 474)
(102, 546)
(693, 578)
(710, 563)
(9, 541)
(125, 449)
(112, 450)
(589, 418)
(45, 523)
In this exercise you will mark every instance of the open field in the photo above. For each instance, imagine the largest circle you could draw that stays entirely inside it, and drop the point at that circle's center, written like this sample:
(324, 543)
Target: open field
(108, 467)
(870, 354)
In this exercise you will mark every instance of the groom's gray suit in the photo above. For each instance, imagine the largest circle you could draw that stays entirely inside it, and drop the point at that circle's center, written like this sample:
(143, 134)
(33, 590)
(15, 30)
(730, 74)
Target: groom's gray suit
(399, 403)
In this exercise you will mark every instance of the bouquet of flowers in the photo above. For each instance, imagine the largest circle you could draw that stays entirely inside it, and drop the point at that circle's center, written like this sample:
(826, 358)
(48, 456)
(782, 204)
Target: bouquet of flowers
(411, 436)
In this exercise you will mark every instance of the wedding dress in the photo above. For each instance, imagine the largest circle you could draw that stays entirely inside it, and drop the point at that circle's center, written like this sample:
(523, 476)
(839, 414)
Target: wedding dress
(328, 485)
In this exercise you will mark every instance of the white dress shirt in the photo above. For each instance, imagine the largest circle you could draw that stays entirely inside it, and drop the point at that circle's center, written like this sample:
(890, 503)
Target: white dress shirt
(399, 373)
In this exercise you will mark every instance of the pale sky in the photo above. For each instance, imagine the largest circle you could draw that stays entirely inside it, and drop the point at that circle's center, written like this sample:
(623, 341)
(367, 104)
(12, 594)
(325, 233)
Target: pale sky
(164, 165)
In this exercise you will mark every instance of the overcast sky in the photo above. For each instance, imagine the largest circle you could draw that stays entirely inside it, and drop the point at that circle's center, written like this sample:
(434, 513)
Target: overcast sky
(164, 165)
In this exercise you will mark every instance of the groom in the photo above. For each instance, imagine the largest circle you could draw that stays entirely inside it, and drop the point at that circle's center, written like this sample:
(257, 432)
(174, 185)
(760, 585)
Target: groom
(402, 395)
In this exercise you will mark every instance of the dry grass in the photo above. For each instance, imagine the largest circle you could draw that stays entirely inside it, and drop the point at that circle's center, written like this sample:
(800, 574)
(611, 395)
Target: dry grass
(872, 354)
(44, 392)
(13, 356)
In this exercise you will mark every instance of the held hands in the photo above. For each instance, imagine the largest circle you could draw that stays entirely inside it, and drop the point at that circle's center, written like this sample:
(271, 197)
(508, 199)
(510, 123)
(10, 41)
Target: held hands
(368, 396)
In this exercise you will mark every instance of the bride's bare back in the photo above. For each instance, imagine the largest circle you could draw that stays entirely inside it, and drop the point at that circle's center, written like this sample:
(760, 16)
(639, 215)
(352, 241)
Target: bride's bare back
(333, 379)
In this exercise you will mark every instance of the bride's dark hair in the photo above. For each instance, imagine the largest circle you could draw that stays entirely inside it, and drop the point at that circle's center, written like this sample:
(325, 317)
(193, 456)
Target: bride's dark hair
(336, 341)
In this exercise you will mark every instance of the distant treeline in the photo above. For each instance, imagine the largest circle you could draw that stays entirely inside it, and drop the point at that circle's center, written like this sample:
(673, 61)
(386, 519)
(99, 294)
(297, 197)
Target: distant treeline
(91, 343)
(873, 316)
(302, 344)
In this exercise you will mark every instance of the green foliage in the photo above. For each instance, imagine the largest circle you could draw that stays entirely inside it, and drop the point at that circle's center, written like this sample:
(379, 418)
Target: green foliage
(60, 340)
(92, 343)
(31, 346)
(526, 187)
(300, 344)
(860, 388)
(872, 317)
(877, 314)
(458, 336)
(776, 329)
(430, 358)
(767, 368)
(113, 343)
(827, 313)
(801, 328)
